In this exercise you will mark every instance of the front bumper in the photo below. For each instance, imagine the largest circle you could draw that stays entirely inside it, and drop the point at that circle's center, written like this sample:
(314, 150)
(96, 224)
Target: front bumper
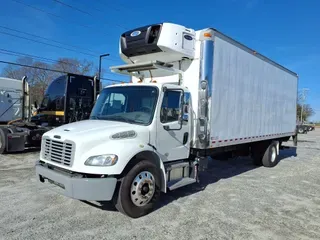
(90, 189)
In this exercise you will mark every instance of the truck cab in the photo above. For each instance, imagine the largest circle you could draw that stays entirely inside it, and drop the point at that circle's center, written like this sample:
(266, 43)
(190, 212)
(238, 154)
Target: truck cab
(152, 111)
(11, 92)
(68, 98)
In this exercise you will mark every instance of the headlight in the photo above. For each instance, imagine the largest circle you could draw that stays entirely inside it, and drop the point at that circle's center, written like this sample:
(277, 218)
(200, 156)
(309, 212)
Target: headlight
(102, 160)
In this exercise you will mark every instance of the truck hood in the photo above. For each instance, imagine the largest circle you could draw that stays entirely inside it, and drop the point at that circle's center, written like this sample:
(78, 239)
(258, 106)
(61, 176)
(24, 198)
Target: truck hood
(87, 138)
(93, 132)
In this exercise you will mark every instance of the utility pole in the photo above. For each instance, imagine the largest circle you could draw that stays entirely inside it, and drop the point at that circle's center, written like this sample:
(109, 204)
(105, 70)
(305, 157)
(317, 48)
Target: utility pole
(100, 59)
(303, 97)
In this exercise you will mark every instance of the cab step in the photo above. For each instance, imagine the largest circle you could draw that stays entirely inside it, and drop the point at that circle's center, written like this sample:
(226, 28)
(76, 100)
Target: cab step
(179, 174)
(180, 183)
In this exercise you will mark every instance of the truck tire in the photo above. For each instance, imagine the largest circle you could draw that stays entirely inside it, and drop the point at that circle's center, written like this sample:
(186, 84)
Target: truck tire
(139, 190)
(301, 130)
(3, 140)
(270, 157)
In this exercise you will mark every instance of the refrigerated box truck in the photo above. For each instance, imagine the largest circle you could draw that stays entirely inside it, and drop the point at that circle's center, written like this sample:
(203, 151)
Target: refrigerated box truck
(192, 95)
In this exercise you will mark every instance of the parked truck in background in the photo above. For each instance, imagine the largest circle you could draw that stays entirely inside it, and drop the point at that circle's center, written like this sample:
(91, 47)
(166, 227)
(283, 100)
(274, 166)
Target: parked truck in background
(192, 95)
(11, 102)
(68, 98)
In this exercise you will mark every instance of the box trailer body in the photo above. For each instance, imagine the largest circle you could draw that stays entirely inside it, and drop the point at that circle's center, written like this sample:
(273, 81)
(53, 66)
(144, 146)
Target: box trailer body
(192, 95)
(250, 97)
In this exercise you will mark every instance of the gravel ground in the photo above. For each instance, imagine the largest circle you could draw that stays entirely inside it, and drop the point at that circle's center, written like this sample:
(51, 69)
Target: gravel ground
(234, 201)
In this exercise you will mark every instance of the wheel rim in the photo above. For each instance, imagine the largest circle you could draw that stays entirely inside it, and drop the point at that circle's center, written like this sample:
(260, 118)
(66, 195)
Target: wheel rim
(273, 154)
(142, 188)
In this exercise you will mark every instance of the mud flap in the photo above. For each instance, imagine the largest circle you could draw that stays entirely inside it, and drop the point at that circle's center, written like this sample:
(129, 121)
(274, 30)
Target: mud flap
(295, 140)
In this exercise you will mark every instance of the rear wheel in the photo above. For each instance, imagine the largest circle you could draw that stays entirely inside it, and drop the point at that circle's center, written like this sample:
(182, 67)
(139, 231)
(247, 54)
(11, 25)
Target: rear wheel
(139, 190)
(301, 130)
(270, 157)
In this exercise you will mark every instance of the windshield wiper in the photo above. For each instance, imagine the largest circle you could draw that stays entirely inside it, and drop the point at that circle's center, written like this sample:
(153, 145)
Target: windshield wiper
(94, 117)
(120, 118)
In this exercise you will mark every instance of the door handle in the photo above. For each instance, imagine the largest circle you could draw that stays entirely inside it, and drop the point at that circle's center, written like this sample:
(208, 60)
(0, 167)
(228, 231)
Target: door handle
(185, 138)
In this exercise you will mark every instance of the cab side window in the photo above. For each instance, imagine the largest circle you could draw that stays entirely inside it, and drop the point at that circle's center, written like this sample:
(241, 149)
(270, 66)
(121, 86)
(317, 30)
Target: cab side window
(170, 107)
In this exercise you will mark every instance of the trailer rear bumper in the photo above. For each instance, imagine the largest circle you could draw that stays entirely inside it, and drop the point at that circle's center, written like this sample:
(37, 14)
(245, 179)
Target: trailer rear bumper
(89, 189)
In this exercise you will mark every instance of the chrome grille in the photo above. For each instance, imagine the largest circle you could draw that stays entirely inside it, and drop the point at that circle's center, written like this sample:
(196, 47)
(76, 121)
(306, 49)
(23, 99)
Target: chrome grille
(58, 152)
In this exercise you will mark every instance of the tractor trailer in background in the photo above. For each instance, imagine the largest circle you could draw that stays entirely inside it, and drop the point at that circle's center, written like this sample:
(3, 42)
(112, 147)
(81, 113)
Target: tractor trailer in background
(11, 101)
(192, 95)
(68, 98)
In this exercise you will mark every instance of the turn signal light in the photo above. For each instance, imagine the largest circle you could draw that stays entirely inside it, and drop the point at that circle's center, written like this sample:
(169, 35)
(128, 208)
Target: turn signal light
(207, 34)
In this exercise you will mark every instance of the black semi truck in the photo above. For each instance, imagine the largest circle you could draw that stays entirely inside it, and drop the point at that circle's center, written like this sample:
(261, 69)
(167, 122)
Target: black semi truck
(68, 98)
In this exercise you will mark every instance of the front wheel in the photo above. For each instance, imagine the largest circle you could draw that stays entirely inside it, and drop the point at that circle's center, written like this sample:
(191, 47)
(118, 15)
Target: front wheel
(139, 190)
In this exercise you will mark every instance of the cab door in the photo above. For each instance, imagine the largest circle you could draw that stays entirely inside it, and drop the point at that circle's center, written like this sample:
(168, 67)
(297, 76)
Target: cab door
(173, 125)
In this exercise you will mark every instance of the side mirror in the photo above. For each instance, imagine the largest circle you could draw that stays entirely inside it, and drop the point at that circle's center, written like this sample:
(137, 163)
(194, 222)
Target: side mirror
(35, 104)
(167, 128)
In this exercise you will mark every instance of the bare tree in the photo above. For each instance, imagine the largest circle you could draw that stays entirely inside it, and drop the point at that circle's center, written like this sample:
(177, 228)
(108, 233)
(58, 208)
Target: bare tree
(39, 79)
(74, 66)
(307, 111)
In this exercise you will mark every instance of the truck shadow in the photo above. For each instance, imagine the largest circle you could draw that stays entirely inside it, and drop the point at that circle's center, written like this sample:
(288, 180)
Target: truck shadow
(305, 141)
(287, 153)
(102, 205)
(217, 170)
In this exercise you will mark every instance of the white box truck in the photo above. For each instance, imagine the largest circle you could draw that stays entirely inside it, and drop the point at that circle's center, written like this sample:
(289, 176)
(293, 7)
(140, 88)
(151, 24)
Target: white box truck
(192, 95)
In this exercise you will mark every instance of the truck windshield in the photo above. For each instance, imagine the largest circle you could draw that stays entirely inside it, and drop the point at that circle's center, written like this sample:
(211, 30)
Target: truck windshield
(131, 104)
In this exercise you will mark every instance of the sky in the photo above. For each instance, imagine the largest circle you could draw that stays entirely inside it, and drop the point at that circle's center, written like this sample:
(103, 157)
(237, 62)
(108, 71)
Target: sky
(287, 31)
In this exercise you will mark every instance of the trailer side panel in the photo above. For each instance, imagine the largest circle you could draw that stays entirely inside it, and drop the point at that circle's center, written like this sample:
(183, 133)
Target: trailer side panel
(252, 99)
